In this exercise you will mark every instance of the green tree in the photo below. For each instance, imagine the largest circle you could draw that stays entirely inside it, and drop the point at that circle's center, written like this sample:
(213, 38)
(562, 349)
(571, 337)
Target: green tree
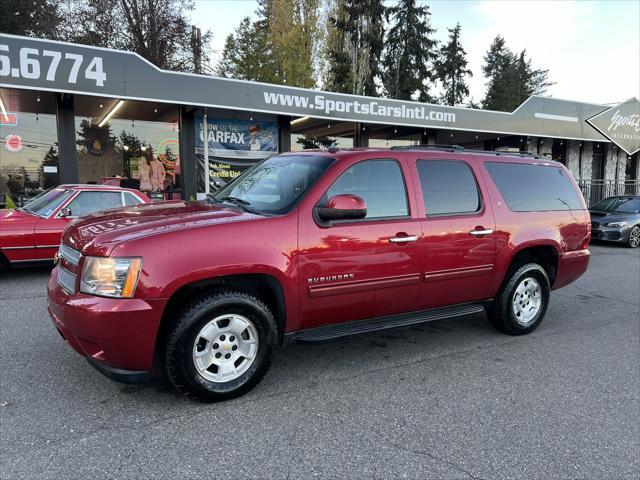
(338, 75)
(410, 52)
(360, 24)
(292, 29)
(309, 143)
(512, 78)
(31, 18)
(452, 71)
(226, 66)
(246, 54)
(277, 48)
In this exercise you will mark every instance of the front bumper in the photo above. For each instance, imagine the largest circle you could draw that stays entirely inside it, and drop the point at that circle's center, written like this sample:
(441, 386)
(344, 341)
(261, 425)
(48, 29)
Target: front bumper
(611, 234)
(117, 336)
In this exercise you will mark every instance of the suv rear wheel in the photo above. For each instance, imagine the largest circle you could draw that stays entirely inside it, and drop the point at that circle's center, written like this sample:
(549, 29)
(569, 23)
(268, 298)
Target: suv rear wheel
(220, 346)
(522, 302)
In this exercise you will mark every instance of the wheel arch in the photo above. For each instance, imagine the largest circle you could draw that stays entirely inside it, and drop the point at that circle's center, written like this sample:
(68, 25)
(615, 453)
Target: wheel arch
(546, 255)
(264, 286)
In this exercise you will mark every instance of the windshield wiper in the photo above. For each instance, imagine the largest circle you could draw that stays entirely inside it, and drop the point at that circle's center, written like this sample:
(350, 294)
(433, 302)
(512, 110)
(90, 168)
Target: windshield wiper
(213, 199)
(243, 204)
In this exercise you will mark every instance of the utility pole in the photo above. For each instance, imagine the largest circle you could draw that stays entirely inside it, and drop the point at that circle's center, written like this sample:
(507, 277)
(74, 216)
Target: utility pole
(196, 48)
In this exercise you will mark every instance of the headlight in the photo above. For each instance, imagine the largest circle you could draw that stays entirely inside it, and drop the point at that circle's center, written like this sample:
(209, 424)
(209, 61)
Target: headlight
(110, 277)
(617, 224)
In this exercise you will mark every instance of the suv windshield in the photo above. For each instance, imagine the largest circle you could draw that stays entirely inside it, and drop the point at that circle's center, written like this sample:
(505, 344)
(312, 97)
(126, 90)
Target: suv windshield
(618, 204)
(47, 202)
(276, 185)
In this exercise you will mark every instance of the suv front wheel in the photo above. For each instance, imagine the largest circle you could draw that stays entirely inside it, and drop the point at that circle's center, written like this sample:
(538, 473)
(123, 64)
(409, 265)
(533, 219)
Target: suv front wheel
(522, 302)
(220, 346)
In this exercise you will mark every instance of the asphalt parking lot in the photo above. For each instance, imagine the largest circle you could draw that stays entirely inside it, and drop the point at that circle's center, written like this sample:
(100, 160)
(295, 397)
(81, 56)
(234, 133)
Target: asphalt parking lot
(450, 400)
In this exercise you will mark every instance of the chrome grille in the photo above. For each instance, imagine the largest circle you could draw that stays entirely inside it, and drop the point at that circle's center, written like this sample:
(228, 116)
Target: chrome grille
(67, 280)
(69, 254)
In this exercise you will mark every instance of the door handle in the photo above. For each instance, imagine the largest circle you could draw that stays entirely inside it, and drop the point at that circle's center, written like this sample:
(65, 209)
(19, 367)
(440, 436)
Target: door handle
(408, 238)
(481, 232)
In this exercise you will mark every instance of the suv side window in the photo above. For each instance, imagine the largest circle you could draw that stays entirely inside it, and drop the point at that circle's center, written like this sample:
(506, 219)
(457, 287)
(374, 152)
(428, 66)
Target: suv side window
(92, 201)
(448, 186)
(380, 183)
(530, 188)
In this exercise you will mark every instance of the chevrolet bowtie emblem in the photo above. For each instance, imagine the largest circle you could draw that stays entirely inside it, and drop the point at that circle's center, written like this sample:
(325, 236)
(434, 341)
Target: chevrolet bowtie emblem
(226, 347)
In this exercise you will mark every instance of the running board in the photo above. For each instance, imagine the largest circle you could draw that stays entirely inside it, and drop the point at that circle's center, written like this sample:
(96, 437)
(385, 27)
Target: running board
(320, 334)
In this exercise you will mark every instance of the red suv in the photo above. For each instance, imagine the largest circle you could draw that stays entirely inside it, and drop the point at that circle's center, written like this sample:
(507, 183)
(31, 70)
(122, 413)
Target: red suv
(312, 246)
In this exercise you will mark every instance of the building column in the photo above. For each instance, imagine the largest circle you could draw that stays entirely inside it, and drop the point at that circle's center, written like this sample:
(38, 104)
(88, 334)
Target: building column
(284, 134)
(587, 160)
(360, 136)
(65, 124)
(573, 158)
(188, 160)
(622, 164)
(610, 162)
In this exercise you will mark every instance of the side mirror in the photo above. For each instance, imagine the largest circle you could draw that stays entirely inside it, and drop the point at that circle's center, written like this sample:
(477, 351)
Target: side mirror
(342, 207)
(64, 212)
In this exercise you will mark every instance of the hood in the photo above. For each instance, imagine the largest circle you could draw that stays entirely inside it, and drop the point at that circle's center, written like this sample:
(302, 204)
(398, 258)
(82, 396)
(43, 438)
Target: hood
(600, 217)
(16, 219)
(102, 231)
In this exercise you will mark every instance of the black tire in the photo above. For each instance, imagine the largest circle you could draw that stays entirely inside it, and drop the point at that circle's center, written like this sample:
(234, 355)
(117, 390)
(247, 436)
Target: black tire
(501, 314)
(179, 363)
(633, 242)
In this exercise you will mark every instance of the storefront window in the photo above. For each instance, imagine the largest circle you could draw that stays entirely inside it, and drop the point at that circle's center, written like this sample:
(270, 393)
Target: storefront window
(137, 152)
(29, 151)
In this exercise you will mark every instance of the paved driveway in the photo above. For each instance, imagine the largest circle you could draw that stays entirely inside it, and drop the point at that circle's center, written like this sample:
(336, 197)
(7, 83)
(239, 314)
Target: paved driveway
(451, 400)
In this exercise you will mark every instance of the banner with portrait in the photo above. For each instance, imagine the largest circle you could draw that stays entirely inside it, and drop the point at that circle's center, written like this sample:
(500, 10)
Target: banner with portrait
(233, 146)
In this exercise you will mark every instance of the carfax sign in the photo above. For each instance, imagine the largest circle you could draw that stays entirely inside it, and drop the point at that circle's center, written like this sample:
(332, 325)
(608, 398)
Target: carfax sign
(621, 125)
(237, 138)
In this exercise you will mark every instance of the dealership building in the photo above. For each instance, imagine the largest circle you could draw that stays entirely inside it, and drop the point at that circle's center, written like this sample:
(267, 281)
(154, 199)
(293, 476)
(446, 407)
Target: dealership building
(79, 114)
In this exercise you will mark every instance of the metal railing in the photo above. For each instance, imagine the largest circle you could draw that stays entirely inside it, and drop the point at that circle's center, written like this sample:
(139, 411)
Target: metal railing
(596, 190)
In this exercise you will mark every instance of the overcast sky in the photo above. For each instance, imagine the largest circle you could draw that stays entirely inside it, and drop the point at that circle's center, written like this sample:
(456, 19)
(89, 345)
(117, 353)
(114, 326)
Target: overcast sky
(592, 48)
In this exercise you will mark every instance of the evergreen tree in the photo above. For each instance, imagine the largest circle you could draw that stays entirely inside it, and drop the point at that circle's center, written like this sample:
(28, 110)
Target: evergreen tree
(277, 47)
(339, 78)
(452, 70)
(359, 23)
(226, 66)
(512, 79)
(409, 53)
(245, 55)
(309, 143)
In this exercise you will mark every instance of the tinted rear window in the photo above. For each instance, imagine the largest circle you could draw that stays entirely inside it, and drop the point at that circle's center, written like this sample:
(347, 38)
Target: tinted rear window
(448, 187)
(528, 188)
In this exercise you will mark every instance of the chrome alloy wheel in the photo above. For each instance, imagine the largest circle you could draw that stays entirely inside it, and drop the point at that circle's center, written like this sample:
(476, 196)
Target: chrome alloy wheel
(225, 348)
(634, 237)
(527, 301)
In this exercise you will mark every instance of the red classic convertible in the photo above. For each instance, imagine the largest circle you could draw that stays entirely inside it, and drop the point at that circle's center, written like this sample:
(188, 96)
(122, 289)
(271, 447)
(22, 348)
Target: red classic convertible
(32, 233)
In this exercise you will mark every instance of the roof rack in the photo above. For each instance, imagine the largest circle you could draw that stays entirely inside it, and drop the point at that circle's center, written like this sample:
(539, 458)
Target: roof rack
(437, 146)
(459, 148)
